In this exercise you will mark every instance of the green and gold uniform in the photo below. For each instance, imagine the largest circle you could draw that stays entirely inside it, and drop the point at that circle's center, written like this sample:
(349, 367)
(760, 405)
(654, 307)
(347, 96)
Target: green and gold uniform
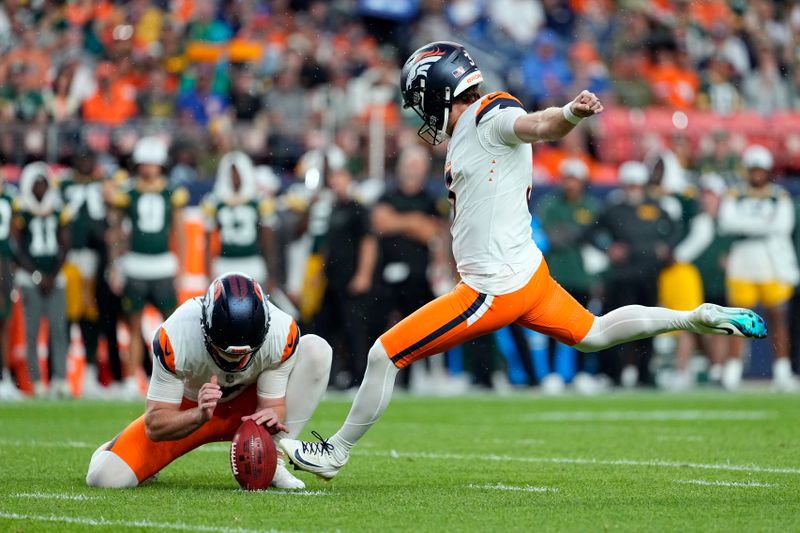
(149, 265)
(239, 225)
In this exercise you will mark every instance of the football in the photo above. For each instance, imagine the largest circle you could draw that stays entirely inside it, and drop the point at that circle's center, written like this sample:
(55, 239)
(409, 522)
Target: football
(253, 456)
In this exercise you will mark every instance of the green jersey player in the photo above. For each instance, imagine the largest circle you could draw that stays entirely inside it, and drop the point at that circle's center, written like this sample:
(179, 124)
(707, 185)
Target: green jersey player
(154, 212)
(244, 221)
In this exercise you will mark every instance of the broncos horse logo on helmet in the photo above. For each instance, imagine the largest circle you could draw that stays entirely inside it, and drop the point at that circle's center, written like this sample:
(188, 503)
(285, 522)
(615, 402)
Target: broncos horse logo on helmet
(235, 321)
(431, 78)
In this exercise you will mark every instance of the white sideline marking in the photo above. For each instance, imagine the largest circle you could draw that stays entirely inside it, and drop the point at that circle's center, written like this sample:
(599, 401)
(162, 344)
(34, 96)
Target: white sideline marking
(139, 524)
(659, 463)
(503, 486)
(55, 496)
(646, 416)
(746, 484)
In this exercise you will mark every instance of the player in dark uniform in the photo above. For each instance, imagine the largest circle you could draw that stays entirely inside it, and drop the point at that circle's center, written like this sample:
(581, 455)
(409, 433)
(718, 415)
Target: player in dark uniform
(41, 244)
(150, 268)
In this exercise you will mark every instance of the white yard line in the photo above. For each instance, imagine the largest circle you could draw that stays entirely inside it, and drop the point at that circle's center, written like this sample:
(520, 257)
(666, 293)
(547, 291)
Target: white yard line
(138, 524)
(512, 488)
(55, 496)
(706, 483)
(289, 492)
(647, 416)
(658, 463)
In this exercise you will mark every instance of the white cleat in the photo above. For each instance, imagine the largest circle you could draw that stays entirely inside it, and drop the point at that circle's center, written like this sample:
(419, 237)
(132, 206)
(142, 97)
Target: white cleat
(553, 385)
(320, 458)
(285, 480)
(718, 320)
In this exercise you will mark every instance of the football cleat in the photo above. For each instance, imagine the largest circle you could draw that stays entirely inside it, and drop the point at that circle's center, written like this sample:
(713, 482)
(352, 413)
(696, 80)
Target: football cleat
(284, 479)
(710, 318)
(319, 458)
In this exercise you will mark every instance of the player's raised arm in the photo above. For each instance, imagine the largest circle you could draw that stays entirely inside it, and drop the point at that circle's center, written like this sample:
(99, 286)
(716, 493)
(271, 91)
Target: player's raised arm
(554, 123)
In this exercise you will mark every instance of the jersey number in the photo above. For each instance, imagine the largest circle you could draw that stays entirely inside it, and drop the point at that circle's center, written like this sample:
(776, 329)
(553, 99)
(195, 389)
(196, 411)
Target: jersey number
(44, 240)
(151, 213)
(238, 225)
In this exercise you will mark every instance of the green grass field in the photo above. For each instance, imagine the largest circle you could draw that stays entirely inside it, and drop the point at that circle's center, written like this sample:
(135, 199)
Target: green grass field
(645, 462)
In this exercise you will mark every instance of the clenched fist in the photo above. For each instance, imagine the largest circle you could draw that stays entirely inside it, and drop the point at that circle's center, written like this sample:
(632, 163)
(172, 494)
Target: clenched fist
(586, 104)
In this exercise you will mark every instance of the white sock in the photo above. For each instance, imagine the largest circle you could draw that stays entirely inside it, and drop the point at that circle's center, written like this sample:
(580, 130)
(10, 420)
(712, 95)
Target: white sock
(371, 400)
(307, 383)
(631, 323)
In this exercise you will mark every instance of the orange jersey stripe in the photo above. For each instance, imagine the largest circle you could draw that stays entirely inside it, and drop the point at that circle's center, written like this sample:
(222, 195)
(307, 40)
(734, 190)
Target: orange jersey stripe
(292, 340)
(489, 98)
(164, 351)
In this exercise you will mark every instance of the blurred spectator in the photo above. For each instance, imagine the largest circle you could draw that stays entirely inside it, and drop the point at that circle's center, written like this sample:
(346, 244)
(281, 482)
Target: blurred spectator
(350, 253)
(59, 102)
(631, 89)
(8, 390)
(200, 104)
(673, 85)
(566, 217)
(114, 102)
(638, 236)
(721, 159)
(518, 19)
(765, 90)
(546, 71)
(18, 99)
(762, 268)
(42, 237)
(28, 53)
(246, 97)
(717, 92)
(407, 223)
(157, 101)
(83, 196)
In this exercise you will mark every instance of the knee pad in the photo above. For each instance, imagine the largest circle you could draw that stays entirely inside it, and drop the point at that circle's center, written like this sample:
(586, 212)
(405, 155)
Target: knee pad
(107, 470)
(317, 351)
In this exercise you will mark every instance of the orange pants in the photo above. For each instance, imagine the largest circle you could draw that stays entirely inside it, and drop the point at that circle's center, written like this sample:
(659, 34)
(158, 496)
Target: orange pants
(146, 457)
(463, 314)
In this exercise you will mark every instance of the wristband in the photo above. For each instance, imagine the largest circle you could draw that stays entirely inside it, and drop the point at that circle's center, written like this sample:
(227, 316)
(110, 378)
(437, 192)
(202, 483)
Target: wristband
(569, 116)
(36, 277)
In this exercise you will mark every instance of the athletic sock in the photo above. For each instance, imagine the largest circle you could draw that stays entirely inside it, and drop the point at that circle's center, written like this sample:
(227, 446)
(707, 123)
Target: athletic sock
(631, 323)
(371, 400)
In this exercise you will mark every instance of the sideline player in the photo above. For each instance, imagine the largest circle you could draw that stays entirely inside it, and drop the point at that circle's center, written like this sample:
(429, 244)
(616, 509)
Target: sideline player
(245, 222)
(488, 172)
(221, 359)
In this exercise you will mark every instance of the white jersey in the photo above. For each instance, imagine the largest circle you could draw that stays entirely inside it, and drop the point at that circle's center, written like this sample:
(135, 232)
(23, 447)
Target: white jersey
(183, 364)
(764, 220)
(489, 175)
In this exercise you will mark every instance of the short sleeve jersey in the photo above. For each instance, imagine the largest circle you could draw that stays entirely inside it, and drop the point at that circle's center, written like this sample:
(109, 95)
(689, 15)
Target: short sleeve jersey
(180, 349)
(489, 174)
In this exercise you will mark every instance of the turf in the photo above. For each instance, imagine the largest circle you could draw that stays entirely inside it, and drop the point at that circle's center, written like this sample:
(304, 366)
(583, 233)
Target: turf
(644, 462)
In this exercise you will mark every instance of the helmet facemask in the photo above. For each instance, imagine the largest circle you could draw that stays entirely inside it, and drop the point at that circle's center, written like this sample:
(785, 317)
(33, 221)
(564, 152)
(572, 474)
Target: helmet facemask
(434, 113)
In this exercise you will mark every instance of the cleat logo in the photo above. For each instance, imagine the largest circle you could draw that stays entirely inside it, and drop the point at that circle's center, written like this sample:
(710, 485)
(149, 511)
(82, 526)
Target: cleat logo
(303, 461)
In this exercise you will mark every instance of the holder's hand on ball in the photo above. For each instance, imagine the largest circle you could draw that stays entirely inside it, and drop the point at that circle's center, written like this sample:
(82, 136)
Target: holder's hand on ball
(268, 417)
(207, 399)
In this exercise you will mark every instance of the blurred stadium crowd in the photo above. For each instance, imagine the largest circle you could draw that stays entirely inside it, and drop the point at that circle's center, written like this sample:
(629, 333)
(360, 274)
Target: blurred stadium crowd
(149, 144)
